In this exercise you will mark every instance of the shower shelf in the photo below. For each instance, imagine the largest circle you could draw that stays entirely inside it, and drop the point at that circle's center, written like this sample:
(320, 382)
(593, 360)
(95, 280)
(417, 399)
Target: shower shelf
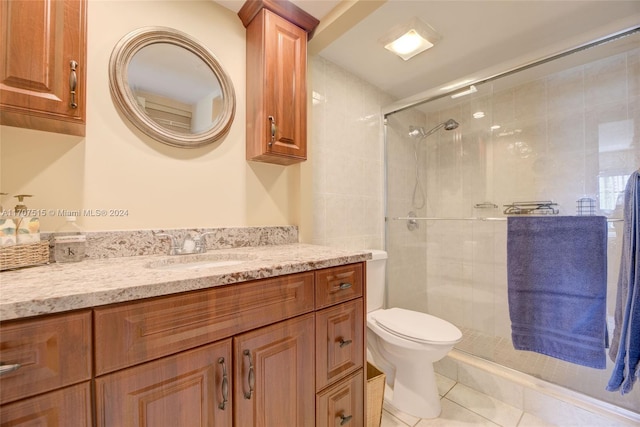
(406, 218)
(545, 207)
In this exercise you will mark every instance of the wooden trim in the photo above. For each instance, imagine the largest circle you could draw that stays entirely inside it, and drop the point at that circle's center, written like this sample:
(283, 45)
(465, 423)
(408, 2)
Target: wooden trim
(283, 8)
(32, 121)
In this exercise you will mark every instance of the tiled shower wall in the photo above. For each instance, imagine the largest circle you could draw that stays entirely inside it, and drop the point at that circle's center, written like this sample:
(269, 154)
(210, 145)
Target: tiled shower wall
(346, 145)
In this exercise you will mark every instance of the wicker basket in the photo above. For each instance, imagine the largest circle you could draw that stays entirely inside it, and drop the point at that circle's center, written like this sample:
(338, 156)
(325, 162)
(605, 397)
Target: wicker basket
(24, 255)
(375, 395)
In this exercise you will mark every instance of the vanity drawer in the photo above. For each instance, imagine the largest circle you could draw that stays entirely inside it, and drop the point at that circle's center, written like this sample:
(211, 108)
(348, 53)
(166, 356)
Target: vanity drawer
(68, 407)
(52, 352)
(342, 403)
(132, 333)
(339, 342)
(337, 284)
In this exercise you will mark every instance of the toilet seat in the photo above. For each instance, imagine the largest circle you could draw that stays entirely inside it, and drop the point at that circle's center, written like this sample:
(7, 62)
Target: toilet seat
(416, 326)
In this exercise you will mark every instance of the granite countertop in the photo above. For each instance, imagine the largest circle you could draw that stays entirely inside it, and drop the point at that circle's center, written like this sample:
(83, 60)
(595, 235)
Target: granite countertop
(56, 288)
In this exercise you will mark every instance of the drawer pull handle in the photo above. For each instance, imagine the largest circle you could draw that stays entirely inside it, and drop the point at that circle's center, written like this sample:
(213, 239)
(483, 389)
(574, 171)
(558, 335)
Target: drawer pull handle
(73, 82)
(5, 369)
(225, 385)
(345, 419)
(344, 286)
(252, 378)
(344, 342)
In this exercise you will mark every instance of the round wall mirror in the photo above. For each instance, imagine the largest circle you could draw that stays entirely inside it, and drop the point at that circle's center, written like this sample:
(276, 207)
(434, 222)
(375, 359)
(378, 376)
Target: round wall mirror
(171, 87)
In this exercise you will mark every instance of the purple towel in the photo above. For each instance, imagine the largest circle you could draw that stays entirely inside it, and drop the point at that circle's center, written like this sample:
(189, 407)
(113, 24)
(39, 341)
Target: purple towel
(557, 284)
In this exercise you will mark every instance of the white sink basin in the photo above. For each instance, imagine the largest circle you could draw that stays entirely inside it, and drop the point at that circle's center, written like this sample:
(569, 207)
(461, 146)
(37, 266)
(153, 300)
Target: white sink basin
(199, 261)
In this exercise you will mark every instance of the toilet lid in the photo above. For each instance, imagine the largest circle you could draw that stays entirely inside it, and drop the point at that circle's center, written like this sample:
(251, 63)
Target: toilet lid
(416, 326)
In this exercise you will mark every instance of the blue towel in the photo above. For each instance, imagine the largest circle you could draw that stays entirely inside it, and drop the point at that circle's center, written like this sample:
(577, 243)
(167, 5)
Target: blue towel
(557, 285)
(625, 345)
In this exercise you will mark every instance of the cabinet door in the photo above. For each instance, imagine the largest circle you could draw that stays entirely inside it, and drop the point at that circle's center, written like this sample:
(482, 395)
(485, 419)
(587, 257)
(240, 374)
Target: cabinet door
(274, 374)
(189, 389)
(339, 341)
(69, 407)
(43, 64)
(276, 89)
(286, 47)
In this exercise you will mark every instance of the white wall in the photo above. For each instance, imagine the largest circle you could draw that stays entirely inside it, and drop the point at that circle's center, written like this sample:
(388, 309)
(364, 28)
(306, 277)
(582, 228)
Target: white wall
(117, 167)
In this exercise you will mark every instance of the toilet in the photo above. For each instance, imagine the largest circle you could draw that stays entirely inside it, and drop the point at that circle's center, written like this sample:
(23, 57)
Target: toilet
(404, 344)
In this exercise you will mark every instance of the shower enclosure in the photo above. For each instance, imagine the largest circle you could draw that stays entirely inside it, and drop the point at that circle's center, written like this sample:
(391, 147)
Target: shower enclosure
(563, 133)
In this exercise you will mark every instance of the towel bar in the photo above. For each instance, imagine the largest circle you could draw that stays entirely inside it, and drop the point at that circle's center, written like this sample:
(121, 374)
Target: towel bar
(406, 218)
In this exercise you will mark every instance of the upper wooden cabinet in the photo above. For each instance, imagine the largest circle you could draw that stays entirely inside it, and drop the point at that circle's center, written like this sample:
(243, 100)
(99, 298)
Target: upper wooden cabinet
(277, 34)
(43, 65)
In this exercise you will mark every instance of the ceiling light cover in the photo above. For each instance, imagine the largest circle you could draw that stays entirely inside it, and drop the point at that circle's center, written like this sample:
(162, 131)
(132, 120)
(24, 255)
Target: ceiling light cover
(408, 40)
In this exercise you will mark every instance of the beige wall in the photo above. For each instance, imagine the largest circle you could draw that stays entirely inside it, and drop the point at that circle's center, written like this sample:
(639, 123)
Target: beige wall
(347, 147)
(117, 167)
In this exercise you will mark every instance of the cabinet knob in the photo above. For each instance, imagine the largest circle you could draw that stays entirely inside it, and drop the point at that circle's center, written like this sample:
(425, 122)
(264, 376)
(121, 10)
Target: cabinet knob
(344, 342)
(225, 385)
(5, 369)
(344, 419)
(345, 285)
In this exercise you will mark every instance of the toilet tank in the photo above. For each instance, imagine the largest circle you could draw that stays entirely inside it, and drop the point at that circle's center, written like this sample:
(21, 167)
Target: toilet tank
(376, 277)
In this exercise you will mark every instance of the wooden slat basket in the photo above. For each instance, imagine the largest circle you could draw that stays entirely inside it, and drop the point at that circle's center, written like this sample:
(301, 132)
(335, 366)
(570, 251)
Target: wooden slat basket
(19, 256)
(375, 395)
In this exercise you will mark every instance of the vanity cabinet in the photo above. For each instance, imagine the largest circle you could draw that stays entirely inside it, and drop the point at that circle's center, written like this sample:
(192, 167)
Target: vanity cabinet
(46, 364)
(277, 35)
(43, 65)
(279, 351)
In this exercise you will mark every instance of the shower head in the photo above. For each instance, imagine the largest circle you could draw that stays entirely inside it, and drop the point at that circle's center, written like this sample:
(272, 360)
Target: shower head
(451, 124)
(418, 132)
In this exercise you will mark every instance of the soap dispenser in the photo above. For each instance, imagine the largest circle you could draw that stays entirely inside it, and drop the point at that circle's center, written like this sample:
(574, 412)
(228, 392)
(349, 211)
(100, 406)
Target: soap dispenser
(21, 208)
(69, 242)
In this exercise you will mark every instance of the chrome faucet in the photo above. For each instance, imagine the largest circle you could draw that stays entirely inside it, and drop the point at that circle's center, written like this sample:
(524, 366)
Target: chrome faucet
(189, 245)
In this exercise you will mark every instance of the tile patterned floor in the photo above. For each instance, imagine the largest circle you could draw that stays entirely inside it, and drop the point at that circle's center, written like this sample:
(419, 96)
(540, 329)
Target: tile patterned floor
(462, 406)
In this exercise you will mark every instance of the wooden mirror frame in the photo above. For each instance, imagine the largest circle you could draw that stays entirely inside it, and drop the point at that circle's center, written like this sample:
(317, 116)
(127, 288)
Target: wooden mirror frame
(124, 98)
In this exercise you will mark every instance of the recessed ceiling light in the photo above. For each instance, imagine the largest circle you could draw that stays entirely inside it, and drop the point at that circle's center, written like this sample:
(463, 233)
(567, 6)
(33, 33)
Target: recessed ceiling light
(408, 40)
(478, 114)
